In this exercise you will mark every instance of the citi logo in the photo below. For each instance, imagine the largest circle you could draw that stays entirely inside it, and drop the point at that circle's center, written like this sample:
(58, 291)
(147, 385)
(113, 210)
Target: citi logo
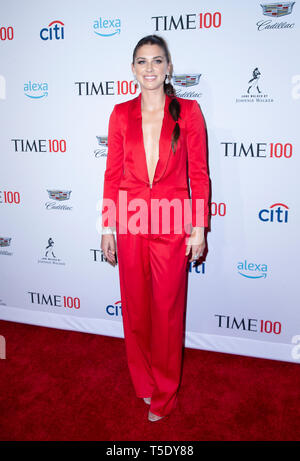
(114, 310)
(35, 90)
(107, 27)
(252, 270)
(197, 268)
(54, 31)
(278, 212)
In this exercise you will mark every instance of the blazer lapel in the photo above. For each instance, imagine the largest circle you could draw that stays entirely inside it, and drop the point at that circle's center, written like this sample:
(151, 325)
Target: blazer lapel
(137, 159)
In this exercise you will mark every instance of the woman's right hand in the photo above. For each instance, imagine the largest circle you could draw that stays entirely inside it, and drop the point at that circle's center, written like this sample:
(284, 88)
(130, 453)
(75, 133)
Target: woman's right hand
(108, 246)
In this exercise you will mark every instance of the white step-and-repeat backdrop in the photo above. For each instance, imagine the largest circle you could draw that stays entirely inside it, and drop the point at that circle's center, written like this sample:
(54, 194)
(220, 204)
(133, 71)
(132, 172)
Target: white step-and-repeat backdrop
(63, 66)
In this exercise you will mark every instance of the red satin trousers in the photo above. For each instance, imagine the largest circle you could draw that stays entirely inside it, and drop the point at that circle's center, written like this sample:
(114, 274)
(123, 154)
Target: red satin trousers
(153, 276)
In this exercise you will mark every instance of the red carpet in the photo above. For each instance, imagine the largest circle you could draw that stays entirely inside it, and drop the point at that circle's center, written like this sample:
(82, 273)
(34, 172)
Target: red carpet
(65, 385)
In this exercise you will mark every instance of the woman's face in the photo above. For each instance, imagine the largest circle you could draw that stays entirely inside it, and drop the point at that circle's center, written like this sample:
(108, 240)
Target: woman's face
(150, 66)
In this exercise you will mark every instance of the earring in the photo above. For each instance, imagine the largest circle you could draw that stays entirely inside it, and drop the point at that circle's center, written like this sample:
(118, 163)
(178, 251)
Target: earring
(135, 82)
(168, 80)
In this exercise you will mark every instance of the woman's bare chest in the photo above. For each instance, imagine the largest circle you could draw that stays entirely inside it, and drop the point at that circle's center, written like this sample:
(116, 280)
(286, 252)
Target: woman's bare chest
(151, 127)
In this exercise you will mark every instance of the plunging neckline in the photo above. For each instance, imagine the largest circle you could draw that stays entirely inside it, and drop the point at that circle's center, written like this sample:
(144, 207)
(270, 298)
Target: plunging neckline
(159, 139)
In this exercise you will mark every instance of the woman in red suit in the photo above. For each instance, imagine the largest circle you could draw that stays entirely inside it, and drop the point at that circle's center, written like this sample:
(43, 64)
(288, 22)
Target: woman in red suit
(156, 146)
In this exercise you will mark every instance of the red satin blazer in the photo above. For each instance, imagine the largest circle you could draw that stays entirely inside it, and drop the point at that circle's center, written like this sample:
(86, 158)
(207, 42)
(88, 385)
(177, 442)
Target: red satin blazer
(175, 174)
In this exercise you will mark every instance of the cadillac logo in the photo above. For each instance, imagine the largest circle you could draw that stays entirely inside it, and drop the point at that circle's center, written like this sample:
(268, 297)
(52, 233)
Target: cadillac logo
(59, 195)
(277, 9)
(5, 241)
(102, 140)
(101, 151)
(186, 79)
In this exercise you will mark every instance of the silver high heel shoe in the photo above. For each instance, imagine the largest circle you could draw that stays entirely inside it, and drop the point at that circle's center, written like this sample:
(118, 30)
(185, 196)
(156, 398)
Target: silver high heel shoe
(147, 400)
(153, 417)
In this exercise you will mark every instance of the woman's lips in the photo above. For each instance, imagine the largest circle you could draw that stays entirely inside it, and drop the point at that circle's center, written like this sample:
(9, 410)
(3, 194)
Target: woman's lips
(150, 78)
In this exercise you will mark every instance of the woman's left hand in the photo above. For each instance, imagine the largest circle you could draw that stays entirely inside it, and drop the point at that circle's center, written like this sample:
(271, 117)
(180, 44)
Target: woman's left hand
(196, 242)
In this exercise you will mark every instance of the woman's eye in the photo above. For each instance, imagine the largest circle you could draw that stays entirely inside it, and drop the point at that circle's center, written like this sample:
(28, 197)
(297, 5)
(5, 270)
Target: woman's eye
(159, 61)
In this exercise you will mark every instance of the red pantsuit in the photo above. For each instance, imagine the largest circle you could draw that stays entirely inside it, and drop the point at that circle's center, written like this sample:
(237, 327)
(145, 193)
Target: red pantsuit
(153, 281)
(153, 267)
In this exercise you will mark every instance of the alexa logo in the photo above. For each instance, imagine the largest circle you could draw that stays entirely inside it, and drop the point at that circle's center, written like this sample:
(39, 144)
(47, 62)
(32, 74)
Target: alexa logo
(276, 213)
(252, 270)
(54, 31)
(36, 90)
(107, 27)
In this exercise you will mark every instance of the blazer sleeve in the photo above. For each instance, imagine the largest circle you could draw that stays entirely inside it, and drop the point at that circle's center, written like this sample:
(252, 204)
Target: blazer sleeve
(114, 169)
(197, 165)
